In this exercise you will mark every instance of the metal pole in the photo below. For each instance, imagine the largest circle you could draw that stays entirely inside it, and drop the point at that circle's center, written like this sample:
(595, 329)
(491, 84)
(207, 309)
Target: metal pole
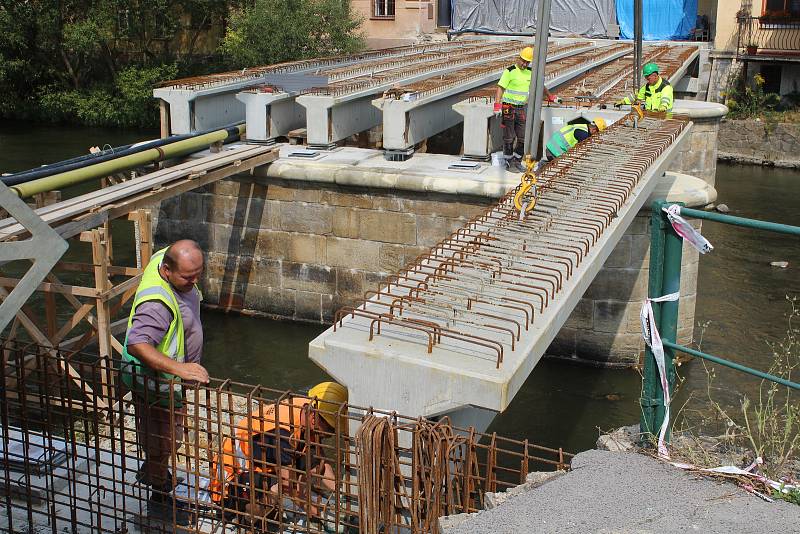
(650, 382)
(637, 45)
(536, 91)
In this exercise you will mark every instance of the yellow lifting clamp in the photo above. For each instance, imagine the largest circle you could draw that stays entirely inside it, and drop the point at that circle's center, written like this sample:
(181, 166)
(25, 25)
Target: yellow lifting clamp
(525, 197)
(638, 109)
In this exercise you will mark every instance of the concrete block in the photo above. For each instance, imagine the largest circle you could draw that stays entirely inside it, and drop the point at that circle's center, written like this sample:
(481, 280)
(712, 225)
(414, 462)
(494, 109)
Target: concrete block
(353, 253)
(309, 277)
(346, 222)
(308, 306)
(582, 316)
(306, 218)
(621, 255)
(388, 227)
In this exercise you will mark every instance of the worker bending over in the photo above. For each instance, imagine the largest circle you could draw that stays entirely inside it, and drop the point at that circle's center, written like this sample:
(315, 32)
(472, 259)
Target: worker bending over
(570, 135)
(511, 98)
(262, 442)
(655, 95)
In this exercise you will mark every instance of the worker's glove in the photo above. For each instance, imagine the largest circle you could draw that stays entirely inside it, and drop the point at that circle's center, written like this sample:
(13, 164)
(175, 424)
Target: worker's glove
(498, 107)
(553, 99)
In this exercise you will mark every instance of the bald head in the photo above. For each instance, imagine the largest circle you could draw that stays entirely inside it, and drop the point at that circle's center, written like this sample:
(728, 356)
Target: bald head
(182, 264)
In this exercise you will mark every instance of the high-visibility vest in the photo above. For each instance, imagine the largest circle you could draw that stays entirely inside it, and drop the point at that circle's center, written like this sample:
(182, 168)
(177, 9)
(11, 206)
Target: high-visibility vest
(137, 376)
(517, 84)
(657, 97)
(237, 455)
(564, 139)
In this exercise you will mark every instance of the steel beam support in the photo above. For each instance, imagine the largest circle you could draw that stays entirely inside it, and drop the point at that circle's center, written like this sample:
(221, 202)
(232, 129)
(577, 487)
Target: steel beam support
(637, 44)
(536, 91)
(666, 248)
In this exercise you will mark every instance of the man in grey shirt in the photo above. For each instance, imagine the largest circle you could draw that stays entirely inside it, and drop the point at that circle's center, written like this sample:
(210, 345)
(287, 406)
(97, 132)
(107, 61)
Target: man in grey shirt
(173, 274)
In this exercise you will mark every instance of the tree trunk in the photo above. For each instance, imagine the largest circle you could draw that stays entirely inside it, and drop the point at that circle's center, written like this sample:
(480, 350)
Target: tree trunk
(70, 70)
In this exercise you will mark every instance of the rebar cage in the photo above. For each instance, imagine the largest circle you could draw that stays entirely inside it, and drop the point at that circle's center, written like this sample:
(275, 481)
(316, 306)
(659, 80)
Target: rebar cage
(71, 461)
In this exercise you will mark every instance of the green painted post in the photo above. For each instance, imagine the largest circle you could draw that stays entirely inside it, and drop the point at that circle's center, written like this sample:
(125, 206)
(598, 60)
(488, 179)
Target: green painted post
(668, 321)
(650, 382)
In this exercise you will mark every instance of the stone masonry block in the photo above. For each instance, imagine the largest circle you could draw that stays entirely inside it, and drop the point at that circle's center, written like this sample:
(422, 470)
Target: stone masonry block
(346, 222)
(640, 250)
(686, 308)
(210, 288)
(267, 272)
(222, 210)
(309, 277)
(441, 206)
(349, 283)
(308, 307)
(293, 191)
(564, 343)
(582, 316)
(270, 300)
(329, 305)
(622, 284)
(225, 238)
(388, 202)
(306, 218)
(300, 248)
(346, 200)
(640, 224)
(387, 227)
(227, 188)
(353, 254)
(607, 347)
(391, 257)
(621, 255)
(432, 229)
(610, 316)
(273, 244)
(193, 206)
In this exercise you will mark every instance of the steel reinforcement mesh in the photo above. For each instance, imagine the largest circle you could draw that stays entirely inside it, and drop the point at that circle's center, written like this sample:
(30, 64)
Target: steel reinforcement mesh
(71, 466)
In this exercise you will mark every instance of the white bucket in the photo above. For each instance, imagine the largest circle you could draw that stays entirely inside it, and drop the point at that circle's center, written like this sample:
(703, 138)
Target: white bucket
(498, 160)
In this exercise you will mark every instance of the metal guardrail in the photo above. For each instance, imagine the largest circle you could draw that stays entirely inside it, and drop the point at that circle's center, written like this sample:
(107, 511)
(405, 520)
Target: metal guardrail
(665, 278)
(770, 35)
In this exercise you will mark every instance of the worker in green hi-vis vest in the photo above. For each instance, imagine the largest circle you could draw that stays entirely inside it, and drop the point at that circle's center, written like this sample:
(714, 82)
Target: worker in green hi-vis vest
(163, 345)
(511, 98)
(655, 95)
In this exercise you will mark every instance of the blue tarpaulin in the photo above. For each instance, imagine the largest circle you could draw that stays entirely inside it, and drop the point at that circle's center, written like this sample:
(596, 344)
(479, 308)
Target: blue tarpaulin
(661, 19)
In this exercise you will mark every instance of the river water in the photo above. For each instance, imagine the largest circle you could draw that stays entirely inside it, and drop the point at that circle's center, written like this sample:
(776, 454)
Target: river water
(741, 301)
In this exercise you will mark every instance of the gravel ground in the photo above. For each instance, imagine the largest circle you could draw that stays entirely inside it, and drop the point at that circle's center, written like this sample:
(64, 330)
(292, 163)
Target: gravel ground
(626, 492)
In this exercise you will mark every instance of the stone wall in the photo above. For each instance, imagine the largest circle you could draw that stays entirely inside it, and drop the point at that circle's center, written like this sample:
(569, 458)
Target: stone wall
(301, 250)
(760, 142)
(698, 157)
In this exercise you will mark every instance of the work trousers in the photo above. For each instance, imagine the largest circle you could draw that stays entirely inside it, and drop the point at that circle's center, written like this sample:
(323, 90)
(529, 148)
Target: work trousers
(156, 431)
(513, 127)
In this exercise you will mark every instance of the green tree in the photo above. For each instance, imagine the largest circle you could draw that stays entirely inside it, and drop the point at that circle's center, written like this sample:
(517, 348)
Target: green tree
(273, 31)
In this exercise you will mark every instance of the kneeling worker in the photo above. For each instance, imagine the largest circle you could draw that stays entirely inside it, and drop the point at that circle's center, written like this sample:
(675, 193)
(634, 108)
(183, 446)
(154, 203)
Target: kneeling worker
(656, 94)
(570, 135)
(253, 451)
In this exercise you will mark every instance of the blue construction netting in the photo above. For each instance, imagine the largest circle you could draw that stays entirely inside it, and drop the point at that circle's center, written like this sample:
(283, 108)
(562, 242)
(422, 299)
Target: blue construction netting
(661, 19)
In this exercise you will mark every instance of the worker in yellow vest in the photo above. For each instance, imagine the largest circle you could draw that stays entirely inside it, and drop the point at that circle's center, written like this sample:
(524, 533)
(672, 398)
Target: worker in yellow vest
(511, 98)
(163, 343)
(570, 135)
(655, 95)
(252, 452)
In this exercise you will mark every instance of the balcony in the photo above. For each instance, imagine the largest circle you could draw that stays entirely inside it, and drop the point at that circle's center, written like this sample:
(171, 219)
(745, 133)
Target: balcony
(769, 37)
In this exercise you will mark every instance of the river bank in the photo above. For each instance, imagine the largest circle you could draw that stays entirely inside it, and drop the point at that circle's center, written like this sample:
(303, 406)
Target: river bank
(760, 142)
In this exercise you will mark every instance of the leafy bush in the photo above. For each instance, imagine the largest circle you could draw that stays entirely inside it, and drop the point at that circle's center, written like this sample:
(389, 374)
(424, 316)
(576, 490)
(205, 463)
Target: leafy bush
(128, 103)
(753, 101)
(273, 31)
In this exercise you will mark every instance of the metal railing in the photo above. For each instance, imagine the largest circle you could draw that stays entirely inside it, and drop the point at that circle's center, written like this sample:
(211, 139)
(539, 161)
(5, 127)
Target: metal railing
(72, 464)
(769, 35)
(665, 278)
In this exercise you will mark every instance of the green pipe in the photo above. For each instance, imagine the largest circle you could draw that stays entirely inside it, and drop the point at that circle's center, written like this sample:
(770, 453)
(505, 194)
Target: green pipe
(732, 365)
(742, 221)
(108, 168)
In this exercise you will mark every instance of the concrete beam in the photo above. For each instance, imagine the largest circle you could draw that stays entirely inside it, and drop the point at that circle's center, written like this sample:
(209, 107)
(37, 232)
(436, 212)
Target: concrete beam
(271, 115)
(401, 374)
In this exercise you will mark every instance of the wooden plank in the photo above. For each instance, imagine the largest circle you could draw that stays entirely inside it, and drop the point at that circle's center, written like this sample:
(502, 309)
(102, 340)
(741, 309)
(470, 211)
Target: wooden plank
(68, 209)
(121, 288)
(54, 288)
(73, 321)
(113, 270)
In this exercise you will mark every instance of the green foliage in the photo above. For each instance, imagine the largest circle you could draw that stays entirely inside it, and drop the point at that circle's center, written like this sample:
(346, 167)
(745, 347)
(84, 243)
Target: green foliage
(752, 101)
(273, 31)
(129, 102)
(792, 496)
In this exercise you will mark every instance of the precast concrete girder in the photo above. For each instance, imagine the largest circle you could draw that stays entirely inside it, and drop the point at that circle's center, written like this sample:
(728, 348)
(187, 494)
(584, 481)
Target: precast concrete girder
(196, 111)
(389, 367)
(271, 115)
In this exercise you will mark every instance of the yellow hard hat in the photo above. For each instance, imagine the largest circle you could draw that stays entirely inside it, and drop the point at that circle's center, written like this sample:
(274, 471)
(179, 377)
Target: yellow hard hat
(600, 122)
(330, 396)
(527, 53)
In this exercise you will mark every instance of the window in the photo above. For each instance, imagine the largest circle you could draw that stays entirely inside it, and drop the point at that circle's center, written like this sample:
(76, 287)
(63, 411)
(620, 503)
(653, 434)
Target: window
(383, 9)
(784, 8)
